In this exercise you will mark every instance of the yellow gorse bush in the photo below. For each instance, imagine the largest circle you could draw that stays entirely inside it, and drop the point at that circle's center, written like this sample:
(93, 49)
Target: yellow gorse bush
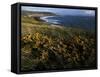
(44, 46)
(37, 36)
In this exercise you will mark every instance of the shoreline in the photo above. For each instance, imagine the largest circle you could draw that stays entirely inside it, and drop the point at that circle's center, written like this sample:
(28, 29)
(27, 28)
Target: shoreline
(54, 22)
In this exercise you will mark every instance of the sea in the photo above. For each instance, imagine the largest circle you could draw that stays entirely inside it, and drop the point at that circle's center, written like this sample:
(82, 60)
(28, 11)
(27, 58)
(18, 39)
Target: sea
(84, 22)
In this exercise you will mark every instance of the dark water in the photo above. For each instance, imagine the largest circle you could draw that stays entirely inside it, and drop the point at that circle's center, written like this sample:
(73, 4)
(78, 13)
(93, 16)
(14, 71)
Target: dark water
(85, 22)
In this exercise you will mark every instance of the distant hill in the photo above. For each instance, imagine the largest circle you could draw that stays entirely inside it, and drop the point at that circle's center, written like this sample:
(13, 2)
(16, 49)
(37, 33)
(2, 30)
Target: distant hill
(37, 14)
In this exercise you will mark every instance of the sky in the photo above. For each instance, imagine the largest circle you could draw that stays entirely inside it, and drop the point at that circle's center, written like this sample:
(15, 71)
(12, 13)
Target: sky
(60, 11)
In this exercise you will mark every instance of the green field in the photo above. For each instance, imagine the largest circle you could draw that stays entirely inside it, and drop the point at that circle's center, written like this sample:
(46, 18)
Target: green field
(47, 46)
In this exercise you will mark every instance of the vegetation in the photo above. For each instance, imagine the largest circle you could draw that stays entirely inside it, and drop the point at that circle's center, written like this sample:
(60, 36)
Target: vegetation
(47, 46)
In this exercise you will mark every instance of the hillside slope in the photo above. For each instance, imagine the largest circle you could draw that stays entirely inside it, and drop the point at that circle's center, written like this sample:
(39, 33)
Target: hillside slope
(47, 46)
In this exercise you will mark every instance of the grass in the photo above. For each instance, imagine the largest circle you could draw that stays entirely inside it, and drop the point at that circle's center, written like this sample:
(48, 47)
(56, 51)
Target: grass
(46, 46)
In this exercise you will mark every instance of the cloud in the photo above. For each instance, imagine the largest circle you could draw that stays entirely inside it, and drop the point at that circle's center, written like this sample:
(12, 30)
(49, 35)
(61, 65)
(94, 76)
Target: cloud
(89, 12)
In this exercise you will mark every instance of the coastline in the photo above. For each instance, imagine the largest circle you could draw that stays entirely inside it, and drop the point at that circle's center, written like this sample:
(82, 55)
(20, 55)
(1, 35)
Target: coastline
(52, 21)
